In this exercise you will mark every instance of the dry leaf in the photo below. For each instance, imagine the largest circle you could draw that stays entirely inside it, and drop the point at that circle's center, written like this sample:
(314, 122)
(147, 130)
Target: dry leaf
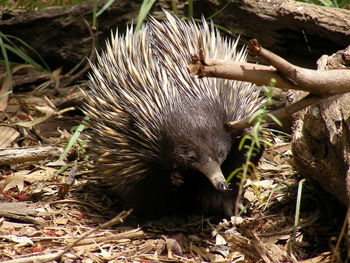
(220, 240)
(16, 180)
(265, 184)
(61, 221)
(48, 112)
(249, 195)
(21, 241)
(268, 167)
(7, 136)
(56, 163)
(40, 175)
(4, 89)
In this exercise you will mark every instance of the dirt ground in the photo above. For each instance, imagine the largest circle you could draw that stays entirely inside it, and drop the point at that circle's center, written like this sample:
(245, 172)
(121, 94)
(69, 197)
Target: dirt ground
(46, 205)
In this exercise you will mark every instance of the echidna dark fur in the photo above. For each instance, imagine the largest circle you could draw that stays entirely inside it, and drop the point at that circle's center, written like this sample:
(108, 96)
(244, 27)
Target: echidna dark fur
(157, 132)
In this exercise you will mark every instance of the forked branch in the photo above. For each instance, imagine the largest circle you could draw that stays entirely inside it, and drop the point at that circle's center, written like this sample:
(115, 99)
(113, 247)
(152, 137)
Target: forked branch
(319, 83)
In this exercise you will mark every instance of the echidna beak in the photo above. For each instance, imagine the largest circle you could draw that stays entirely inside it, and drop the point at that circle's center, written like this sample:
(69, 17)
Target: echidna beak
(211, 169)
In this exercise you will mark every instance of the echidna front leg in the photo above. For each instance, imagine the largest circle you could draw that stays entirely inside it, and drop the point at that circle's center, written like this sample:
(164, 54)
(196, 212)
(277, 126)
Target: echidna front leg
(217, 202)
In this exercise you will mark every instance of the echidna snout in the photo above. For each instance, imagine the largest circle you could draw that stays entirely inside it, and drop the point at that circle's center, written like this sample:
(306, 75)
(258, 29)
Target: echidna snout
(212, 170)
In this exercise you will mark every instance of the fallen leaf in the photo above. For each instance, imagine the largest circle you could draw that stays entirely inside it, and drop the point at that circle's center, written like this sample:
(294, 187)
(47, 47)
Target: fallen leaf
(21, 241)
(16, 180)
(220, 240)
(4, 92)
(61, 221)
(249, 195)
(7, 136)
(48, 112)
(40, 175)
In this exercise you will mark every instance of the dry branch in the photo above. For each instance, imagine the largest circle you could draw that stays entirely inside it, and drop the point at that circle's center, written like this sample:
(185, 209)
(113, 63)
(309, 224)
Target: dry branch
(298, 31)
(287, 75)
(279, 114)
(319, 83)
(21, 155)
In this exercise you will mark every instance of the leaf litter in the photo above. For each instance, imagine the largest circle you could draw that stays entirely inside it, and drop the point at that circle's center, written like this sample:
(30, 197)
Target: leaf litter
(47, 205)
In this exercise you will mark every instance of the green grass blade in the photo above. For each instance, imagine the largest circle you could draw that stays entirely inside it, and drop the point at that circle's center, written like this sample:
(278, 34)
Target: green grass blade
(173, 6)
(24, 56)
(219, 11)
(6, 60)
(144, 10)
(8, 39)
(327, 3)
(297, 211)
(73, 139)
(344, 3)
(234, 173)
(4, 95)
(105, 7)
(190, 8)
(274, 118)
(94, 13)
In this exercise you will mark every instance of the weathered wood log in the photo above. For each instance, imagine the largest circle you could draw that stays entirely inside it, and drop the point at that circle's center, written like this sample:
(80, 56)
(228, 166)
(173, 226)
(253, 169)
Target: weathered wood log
(321, 144)
(321, 140)
(299, 32)
(60, 35)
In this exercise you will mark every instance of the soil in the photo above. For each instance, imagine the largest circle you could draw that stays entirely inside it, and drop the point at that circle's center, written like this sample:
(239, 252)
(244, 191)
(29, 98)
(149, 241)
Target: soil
(46, 205)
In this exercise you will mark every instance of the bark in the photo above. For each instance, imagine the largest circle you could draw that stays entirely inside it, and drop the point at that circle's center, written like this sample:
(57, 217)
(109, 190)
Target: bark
(299, 32)
(321, 145)
(60, 35)
(21, 155)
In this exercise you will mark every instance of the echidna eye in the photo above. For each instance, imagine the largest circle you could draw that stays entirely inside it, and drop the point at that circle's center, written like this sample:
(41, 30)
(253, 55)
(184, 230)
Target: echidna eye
(221, 153)
(192, 158)
(190, 155)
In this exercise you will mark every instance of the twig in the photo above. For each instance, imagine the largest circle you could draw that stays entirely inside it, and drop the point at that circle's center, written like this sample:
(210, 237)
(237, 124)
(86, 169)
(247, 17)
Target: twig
(29, 154)
(217, 68)
(21, 218)
(55, 256)
(124, 235)
(279, 113)
(260, 249)
(67, 201)
(321, 82)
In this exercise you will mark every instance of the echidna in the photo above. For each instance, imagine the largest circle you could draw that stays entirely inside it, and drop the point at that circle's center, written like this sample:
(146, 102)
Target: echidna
(157, 133)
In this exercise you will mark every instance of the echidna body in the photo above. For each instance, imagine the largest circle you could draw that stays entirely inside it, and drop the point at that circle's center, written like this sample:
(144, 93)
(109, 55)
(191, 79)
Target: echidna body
(158, 133)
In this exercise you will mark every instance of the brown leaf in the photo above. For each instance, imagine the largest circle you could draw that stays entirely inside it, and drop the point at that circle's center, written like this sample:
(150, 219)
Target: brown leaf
(7, 136)
(16, 180)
